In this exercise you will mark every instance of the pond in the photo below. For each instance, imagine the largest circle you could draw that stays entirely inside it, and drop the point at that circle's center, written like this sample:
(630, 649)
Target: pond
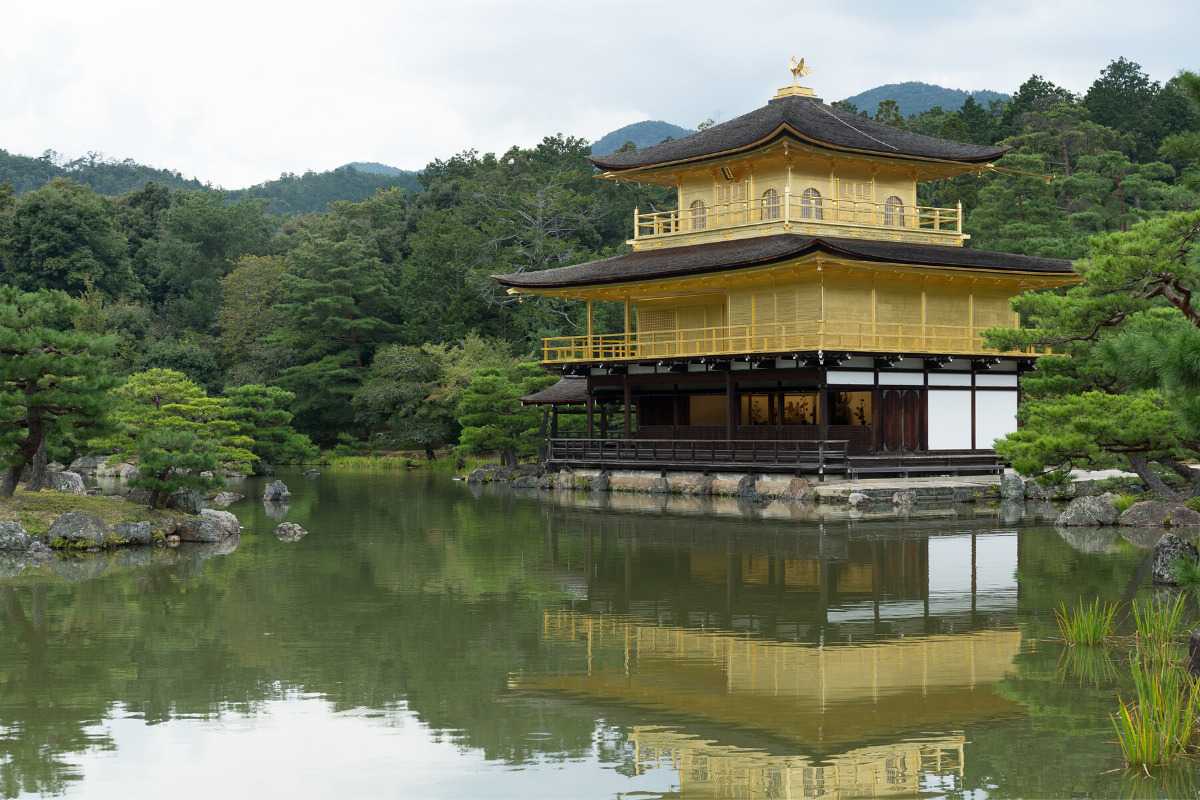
(429, 640)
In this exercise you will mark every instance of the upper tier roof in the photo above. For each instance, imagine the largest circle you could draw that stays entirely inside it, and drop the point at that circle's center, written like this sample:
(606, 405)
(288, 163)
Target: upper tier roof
(807, 119)
(672, 262)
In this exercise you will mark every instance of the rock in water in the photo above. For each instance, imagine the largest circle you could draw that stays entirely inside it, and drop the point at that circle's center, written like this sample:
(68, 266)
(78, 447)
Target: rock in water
(225, 499)
(87, 465)
(1160, 514)
(857, 499)
(1012, 487)
(78, 529)
(228, 522)
(69, 482)
(134, 532)
(201, 529)
(1089, 512)
(13, 537)
(276, 492)
(289, 532)
(312, 473)
(1167, 552)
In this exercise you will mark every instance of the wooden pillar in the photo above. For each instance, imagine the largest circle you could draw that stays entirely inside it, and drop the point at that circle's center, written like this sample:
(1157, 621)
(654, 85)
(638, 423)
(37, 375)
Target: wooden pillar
(603, 420)
(554, 421)
(731, 409)
(823, 410)
(628, 400)
(628, 332)
(590, 350)
(591, 407)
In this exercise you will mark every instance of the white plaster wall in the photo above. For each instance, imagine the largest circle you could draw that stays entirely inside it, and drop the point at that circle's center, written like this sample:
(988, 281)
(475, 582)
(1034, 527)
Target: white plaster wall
(949, 420)
(995, 416)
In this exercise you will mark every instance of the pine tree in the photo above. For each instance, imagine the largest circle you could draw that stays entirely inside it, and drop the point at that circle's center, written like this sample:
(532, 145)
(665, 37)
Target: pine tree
(53, 378)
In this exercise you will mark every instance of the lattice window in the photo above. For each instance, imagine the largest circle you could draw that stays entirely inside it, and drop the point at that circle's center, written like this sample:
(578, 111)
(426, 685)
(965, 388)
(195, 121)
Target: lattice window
(893, 211)
(810, 204)
(655, 319)
(992, 311)
(699, 215)
(770, 204)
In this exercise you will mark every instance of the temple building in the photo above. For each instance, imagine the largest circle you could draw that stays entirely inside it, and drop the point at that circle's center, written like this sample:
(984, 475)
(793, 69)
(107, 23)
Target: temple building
(797, 310)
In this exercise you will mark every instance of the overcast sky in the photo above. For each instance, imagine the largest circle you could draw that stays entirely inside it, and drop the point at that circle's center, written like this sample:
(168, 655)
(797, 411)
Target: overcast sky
(237, 91)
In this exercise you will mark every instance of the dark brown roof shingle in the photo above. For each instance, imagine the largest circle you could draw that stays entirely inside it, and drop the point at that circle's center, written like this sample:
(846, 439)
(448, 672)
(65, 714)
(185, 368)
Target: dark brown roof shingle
(808, 118)
(668, 262)
(570, 389)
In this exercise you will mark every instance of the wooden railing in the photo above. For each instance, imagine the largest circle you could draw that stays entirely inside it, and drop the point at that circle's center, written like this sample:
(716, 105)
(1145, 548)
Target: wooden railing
(815, 456)
(792, 208)
(778, 337)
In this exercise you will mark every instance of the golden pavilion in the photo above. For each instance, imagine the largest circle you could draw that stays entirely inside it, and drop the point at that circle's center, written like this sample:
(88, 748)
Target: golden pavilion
(797, 311)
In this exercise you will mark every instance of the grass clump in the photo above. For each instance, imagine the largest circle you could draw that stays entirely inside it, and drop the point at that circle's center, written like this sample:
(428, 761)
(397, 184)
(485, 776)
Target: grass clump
(1086, 623)
(1193, 503)
(1159, 725)
(371, 463)
(1158, 622)
(1122, 502)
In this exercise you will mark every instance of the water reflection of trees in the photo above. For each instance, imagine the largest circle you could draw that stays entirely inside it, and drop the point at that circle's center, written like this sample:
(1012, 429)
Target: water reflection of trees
(433, 600)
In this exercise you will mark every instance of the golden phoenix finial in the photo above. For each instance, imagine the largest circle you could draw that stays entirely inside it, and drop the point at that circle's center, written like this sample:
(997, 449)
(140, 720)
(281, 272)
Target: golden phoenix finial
(798, 68)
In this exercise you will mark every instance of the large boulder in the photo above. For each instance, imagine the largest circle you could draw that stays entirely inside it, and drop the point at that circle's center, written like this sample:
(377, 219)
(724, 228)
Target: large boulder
(122, 471)
(1160, 514)
(140, 533)
(201, 529)
(13, 537)
(189, 501)
(276, 492)
(228, 522)
(289, 532)
(87, 465)
(1089, 511)
(1169, 550)
(69, 482)
(1012, 487)
(78, 529)
(856, 499)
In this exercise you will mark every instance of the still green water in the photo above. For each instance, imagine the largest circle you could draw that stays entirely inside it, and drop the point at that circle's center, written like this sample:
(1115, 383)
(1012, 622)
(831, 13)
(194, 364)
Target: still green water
(427, 640)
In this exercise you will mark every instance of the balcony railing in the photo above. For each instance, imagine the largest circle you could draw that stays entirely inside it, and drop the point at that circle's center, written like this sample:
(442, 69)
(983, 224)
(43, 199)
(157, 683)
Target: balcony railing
(788, 209)
(781, 337)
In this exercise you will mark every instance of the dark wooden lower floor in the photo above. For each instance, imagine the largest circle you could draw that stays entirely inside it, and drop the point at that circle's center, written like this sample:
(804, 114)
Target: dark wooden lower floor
(788, 456)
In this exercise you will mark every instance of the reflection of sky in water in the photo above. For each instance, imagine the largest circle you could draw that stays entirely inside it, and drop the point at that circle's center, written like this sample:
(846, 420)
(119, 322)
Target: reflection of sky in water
(302, 747)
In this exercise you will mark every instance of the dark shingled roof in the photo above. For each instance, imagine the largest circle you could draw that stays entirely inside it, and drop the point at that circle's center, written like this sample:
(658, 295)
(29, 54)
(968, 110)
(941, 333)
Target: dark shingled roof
(807, 118)
(668, 262)
(571, 389)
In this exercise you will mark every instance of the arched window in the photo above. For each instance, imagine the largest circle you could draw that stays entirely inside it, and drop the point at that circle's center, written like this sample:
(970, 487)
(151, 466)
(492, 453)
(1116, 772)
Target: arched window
(893, 211)
(699, 215)
(810, 204)
(770, 204)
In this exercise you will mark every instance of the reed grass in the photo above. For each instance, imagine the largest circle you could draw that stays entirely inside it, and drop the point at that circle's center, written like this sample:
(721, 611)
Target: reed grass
(1158, 623)
(1159, 725)
(1086, 623)
(381, 463)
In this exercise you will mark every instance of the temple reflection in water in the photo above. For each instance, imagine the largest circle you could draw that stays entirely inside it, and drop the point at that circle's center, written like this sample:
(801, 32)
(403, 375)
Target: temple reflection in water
(846, 660)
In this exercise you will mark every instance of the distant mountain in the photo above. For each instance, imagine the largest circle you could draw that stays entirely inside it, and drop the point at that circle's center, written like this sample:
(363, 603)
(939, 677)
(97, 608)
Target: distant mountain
(105, 176)
(314, 191)
(642, 134)
(289, 194)
(914, 97)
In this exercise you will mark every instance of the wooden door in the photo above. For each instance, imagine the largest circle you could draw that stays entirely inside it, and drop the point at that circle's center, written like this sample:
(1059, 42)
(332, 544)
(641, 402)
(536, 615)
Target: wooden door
(900, 420)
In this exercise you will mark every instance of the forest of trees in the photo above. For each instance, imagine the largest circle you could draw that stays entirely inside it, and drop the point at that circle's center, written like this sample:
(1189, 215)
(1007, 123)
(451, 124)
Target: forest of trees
(378, 315)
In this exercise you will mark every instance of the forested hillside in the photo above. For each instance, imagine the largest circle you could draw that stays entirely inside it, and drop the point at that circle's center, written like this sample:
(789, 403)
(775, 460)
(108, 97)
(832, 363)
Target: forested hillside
(914, 97)
(377, 312)
(641, 134)
(288, 194)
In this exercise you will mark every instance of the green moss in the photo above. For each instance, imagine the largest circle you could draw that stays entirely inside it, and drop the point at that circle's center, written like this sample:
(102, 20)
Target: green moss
(36, 511)
(1193, 504)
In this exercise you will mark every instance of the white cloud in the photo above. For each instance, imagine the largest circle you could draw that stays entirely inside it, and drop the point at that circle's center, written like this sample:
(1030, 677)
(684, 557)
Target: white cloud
(239, 91)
